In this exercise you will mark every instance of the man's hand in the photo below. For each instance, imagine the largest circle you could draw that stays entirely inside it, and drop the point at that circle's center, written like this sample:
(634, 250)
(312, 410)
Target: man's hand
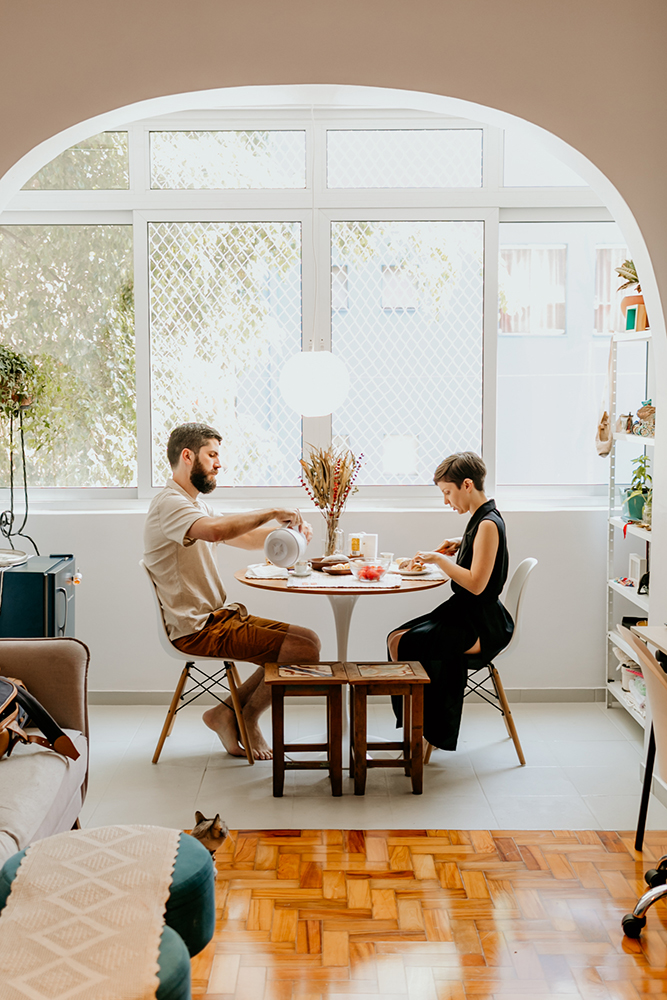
(450, 546)
(289, 518)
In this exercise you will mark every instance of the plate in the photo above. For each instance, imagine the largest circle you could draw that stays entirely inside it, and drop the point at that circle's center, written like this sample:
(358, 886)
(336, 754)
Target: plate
(337, 572)
(416, 572)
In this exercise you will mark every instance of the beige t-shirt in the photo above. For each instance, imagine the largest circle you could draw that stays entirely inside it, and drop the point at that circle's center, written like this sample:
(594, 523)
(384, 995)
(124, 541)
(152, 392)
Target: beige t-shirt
(185, 570)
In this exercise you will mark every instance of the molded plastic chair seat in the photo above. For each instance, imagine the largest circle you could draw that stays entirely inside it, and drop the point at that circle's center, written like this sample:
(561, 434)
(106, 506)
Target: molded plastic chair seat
(496, 696)
(226, 673)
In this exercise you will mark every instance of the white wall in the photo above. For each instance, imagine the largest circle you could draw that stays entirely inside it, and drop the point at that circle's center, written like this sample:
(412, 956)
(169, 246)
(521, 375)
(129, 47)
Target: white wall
(562, 645)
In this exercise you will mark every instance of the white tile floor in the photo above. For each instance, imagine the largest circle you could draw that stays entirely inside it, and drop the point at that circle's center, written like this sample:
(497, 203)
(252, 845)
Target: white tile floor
(582, 772)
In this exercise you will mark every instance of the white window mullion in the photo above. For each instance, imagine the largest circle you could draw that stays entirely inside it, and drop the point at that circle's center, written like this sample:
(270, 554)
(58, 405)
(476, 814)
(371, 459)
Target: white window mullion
(142, 346)
(490, 363)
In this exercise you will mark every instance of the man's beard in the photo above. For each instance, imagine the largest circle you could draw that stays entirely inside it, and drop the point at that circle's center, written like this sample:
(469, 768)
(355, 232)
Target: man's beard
(202, 482)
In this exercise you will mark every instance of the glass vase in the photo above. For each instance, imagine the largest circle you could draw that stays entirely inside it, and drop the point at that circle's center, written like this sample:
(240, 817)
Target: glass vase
(330, 543)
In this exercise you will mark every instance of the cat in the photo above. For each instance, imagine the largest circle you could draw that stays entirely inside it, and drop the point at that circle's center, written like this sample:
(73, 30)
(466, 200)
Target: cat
(212, 833)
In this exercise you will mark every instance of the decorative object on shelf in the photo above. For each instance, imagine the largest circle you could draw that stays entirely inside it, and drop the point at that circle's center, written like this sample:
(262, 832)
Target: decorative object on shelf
(636, 495)
(328, 479)
(647, 510)
(624, 424)
(636, 569)
(644, 584)
(632, 306)
(645, 427)
(603, 435)
(20, 385)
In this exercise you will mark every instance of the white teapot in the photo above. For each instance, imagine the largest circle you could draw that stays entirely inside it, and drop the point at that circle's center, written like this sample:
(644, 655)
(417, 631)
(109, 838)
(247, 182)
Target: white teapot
(285, 546)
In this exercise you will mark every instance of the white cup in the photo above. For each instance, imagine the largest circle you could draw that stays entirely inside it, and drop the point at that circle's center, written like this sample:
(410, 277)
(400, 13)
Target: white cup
(386, 558)
(285, 547)
(302, 567)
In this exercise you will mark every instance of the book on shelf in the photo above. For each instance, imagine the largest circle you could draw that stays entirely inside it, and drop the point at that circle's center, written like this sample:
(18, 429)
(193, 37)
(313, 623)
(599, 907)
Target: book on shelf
(306, 670)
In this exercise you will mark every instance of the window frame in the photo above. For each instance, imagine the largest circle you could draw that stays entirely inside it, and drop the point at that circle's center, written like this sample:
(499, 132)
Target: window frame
(315, 207)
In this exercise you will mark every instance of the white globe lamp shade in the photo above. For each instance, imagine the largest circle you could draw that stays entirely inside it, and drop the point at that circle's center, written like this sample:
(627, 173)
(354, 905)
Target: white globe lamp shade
(314, 383)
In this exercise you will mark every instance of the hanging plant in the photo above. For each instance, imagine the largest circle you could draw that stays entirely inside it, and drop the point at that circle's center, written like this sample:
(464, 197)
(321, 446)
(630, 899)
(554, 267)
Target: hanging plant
(20, 381)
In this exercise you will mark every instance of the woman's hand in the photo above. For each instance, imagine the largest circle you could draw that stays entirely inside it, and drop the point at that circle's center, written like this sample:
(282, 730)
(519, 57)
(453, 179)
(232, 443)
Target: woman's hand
(432, 557)
(450, 546)
(307, 530)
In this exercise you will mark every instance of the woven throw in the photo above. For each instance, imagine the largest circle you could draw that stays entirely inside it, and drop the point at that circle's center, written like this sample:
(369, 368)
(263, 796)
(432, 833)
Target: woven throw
(85, 915)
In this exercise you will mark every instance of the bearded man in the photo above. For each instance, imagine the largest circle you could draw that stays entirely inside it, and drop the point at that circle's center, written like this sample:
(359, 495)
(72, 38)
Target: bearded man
(180, 539)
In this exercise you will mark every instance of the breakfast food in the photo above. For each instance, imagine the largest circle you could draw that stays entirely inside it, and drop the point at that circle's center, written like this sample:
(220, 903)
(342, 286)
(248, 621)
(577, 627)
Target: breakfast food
(370, 572)
(411, 566)
(339, 567)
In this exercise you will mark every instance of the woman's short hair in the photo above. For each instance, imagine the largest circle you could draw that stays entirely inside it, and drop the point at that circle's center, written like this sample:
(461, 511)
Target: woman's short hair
(190, 436)
(463, 465)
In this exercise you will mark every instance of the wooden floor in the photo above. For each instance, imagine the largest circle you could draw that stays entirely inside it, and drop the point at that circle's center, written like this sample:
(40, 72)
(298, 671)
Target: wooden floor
(431, 915)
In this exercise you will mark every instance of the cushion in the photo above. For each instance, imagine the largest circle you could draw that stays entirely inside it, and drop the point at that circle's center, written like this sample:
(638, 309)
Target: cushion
(174, 967)
(40, 793)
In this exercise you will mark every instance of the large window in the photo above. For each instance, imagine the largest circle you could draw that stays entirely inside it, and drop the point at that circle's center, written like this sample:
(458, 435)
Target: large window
(434, 256)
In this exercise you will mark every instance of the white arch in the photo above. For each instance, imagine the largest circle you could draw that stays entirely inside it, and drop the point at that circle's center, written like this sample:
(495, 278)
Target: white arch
(301, 95)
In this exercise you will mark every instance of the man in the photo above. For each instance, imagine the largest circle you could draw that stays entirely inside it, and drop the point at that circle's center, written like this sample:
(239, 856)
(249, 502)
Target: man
(179, 541)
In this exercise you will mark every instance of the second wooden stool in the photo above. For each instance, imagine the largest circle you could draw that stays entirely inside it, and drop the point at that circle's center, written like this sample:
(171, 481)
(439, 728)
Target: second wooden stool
(403, 679)
(304, 681)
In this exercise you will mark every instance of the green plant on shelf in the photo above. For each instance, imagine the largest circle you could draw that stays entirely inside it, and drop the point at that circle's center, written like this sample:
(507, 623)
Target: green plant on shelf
(628, 272)
(639, 491)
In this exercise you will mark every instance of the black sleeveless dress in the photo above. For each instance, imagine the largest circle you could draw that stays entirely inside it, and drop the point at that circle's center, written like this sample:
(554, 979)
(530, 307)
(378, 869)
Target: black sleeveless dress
(439, 639)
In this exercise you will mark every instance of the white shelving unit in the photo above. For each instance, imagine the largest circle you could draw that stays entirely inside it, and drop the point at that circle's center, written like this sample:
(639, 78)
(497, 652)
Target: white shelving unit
(617, 530)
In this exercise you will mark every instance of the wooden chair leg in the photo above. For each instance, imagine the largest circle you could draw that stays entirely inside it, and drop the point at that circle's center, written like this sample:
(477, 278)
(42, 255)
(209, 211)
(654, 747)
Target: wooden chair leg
(171, 714)
(233, 680)
(507, 714)
(429, 751)
(646, 791)
(278, 724)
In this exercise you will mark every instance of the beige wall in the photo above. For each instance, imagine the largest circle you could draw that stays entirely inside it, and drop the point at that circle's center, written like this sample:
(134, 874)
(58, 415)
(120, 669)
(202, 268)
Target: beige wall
(593, 72)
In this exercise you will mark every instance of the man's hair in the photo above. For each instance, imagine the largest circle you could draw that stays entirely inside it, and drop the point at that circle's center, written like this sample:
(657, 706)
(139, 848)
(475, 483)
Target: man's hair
(190, 436)
(462, 465)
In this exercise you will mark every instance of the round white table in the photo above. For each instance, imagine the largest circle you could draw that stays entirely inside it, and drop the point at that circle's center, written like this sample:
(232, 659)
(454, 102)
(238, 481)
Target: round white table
(342, 601)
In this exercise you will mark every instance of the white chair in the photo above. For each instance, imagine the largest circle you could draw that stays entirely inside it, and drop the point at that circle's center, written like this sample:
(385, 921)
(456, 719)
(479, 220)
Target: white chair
(496, 696)
(205, 685)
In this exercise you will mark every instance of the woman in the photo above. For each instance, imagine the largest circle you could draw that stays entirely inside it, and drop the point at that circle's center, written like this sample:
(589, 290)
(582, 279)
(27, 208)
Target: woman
(472, 622)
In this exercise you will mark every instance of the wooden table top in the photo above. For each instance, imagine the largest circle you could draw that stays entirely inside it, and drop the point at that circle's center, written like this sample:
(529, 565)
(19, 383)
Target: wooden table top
(408, 584)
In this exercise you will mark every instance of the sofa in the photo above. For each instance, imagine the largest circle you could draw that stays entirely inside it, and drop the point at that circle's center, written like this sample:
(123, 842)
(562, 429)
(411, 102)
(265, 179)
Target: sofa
(41, 792)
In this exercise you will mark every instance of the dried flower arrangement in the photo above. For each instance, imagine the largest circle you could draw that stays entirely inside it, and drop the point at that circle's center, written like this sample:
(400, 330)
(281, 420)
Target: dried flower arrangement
(328, 479)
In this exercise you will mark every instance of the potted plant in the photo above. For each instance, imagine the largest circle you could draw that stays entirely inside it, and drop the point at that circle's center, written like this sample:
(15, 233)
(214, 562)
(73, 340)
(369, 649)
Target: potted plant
(639, 490)
(19, 381)
(628, 272)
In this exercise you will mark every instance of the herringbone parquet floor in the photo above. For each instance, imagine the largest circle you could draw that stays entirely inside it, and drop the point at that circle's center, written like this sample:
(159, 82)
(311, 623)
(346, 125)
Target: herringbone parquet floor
(431, 915)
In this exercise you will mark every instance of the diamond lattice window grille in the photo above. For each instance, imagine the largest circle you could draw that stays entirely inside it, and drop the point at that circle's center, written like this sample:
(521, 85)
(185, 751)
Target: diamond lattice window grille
(210, 160)
(416, 374)
(404, 158)
(608, 315)
(99, 163)
(531, 283)
(225, 314)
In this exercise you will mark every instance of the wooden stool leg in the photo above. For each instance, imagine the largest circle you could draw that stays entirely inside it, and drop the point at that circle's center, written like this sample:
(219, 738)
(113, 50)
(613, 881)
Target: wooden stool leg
(407, 728)
(171, 714)
(351, 733)
(360, 745)
(429, 751)
(278, 723)
(509, 721)
(417, 742)
(233, 680)
(335, 737)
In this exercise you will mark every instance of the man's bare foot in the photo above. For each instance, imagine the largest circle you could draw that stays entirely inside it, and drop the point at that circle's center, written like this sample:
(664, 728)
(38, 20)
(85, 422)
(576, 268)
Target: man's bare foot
(260, 748)
(222, 721)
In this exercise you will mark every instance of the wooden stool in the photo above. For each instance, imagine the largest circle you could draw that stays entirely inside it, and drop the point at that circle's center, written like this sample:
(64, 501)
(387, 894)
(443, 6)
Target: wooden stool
(406, 680)
(292, 681)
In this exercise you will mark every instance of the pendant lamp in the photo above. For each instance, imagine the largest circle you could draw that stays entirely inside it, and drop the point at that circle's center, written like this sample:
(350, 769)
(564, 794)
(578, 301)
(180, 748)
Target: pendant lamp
(314, 383)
